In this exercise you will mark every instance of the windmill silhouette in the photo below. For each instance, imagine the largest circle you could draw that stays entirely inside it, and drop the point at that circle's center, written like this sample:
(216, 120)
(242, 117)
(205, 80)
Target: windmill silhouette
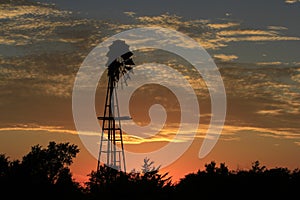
(119, 66)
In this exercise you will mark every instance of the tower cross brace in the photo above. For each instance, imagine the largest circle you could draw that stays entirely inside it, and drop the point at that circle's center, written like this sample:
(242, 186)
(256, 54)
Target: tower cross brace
(111, 143)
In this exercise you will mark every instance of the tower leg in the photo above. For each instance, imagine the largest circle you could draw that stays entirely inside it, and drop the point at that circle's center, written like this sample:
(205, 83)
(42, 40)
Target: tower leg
(111, 141)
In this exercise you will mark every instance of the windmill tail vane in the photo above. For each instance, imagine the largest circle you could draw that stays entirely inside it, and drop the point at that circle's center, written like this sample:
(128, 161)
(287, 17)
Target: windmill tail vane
(120, 68)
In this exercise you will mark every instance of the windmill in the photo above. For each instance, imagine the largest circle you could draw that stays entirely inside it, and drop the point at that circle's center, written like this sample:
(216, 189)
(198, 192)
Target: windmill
(111, 142)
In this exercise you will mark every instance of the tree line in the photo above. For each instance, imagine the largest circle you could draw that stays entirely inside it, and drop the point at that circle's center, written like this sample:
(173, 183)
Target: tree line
(45, 173)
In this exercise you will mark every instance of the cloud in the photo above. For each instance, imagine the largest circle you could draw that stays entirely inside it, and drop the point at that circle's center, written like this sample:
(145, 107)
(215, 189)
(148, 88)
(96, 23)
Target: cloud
(34, 22)
(277, 28)
(229, 133)
(244, 32)
(291, 1)
(35, 127)
(240, 35)
(259, 38)
(225, 58)
(280, 133)
(276, 63)
(9, 11)
(130, 14)
(297, 143)
(268, 96)
(170, 21)
(42, 47)
(212, 35)
(296, 63)
(296, 76)
(269, 112)
(38, 75)
(168, 135)
(223, 25)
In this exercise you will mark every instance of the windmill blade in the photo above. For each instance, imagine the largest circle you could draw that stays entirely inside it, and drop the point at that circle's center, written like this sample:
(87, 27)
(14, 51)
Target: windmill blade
(120, 67)
(127, 58)
(128, 68)
(127, 55)
(129, 62)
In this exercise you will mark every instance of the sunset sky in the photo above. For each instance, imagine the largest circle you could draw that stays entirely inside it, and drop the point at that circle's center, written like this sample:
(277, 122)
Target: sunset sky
(254, 44)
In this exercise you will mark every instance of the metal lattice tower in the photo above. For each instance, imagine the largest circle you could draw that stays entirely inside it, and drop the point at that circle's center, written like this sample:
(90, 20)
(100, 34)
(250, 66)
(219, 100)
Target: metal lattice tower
(111, 142)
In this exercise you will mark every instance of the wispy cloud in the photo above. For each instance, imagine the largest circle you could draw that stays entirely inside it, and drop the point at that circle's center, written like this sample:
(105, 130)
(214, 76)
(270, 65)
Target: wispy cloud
(269, 112)
(35, 127)
(213, 35)
(225, 58)
(283, 133)
(244, 32)
(168, 135)
(223, 25)
(297, 143)
(229, 133)
(259, 38)
(9, 11)
(291, 1)
(277, 28)
(276, 63)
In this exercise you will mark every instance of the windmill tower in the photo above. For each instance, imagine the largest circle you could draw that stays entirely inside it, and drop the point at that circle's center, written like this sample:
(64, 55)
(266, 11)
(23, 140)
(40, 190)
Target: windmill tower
(111, 142)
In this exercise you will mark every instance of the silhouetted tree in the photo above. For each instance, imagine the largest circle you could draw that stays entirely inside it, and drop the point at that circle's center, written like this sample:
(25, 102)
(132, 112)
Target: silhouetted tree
(46, 164)
(211, 167)
(42, 171)
(4, 165)
(148, 166)
(256, 168)
(104, 181)
(148, 184)
(150, 181)
(222, 170)
(257, 182)
(45, 172)
(67, 187)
